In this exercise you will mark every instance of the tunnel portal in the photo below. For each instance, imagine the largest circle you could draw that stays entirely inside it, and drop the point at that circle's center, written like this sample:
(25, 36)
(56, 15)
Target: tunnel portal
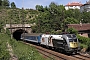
(17, 34)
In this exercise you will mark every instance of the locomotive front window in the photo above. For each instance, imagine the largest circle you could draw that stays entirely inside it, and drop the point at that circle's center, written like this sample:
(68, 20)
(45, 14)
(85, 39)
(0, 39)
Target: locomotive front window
(72, 40)
(71, 36)
(75, 40)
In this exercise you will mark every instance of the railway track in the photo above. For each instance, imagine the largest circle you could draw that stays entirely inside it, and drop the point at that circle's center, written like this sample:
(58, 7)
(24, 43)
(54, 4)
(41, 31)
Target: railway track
(59, 56)
(82, 56)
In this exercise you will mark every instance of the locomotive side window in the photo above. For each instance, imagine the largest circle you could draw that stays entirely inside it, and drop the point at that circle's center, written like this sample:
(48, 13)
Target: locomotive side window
(30, 37)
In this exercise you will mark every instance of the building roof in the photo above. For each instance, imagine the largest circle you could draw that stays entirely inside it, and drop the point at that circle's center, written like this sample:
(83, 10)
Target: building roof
(79, 27)
(74, 4)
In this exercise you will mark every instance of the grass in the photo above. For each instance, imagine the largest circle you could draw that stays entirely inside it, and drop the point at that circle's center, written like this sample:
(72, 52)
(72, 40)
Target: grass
(22, 51)
(4, 54)
(25, 52)
(83, 45)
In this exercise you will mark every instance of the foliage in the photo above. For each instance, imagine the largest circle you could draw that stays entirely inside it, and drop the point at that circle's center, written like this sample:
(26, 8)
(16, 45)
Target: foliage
(71, 21)
(8, 32)
(47, 19)
(13, 5)
(39, 8)
(57, 32)
(86, 17)
(0, 2)
(52, 19)
(5, 3)
(24, 52)
(4, 54)
(55, 17)
(83, 45)
(1, 26)
(72, 30)
(84, 40)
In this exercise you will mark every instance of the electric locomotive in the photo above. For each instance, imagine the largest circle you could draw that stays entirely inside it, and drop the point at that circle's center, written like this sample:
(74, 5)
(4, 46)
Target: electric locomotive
(71, 43)
(66, 42)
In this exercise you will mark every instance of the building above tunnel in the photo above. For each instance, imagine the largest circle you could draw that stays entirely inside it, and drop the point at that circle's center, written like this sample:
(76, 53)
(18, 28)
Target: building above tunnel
(73, 5)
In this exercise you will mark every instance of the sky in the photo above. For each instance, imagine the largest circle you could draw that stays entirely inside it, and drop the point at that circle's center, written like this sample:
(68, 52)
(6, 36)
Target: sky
(32, 3)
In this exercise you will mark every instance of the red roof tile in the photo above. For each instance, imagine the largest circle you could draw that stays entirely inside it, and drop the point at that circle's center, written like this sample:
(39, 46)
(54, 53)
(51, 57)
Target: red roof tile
(74, 4)
(79, 27)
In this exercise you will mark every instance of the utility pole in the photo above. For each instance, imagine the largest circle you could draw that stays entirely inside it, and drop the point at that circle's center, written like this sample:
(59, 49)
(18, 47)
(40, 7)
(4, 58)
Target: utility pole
(23, 25)
(11, 27)
(22, 3)
(23, 21)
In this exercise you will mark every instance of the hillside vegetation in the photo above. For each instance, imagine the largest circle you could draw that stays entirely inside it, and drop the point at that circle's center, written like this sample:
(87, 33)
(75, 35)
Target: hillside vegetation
(52, 19)
(20, 50)
(4, 54)
(47, 19)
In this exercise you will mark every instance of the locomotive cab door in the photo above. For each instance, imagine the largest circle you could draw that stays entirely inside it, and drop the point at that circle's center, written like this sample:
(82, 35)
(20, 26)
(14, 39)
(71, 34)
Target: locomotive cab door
(50, 43)
(65, 45)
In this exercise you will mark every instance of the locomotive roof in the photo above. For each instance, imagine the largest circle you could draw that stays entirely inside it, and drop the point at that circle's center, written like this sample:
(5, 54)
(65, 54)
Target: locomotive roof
(32, 34)
(53, 36)
(68, 34)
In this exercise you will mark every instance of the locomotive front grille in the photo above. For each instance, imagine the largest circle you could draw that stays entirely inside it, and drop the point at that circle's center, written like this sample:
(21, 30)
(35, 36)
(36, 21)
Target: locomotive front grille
(73, 44)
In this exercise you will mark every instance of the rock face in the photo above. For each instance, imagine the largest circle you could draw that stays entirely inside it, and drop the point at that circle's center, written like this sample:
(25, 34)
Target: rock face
(13, 57)
(88, 50)
(83, 50)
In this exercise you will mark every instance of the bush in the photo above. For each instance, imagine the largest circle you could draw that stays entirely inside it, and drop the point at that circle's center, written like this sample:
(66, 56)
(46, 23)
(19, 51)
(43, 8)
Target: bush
(83, 46)
(8, 32)
(84, 42)
(24, 52)
(72, 31)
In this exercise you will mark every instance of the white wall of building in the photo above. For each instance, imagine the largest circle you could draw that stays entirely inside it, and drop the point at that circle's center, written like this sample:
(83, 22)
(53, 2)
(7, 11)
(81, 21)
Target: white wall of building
(72, 7)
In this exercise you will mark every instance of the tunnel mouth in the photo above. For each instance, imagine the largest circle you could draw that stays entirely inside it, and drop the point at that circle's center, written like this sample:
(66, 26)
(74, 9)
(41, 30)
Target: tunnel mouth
(17, 34)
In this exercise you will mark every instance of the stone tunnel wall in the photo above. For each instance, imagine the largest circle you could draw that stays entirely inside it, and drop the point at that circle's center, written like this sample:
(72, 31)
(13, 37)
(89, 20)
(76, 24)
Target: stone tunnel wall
(15, 27)
(29, 30)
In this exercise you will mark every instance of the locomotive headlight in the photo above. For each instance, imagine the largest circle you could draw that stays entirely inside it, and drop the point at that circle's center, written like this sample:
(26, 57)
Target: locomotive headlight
(73, 44)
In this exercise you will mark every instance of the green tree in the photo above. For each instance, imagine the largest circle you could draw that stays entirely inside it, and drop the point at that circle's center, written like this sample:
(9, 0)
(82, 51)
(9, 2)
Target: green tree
(0, 2)
(57, 15)
(53, 8)
(51, 18)
(6, 3)
(72, 30)
(13, 5)
(39, 8)
(86, 17)
(69, 20)
(76, 14)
